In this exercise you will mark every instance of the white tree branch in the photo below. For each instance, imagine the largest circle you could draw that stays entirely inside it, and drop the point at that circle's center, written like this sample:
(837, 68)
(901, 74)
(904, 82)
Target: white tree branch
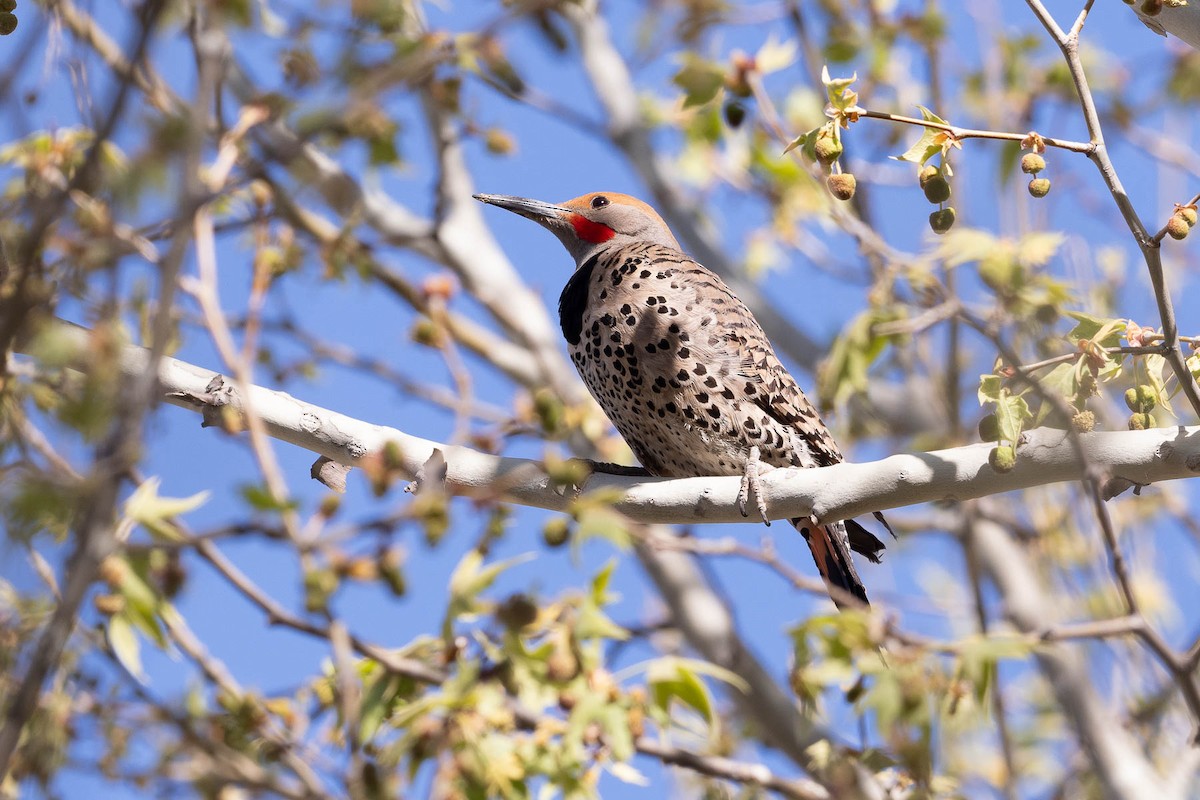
(1181, 21)
(1045, 456)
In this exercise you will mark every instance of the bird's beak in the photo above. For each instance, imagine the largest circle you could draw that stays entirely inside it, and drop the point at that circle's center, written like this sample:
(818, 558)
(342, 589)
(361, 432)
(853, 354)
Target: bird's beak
(535, 210)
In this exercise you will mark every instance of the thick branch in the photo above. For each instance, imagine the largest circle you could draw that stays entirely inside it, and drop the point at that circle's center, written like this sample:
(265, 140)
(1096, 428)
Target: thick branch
(1045, 456)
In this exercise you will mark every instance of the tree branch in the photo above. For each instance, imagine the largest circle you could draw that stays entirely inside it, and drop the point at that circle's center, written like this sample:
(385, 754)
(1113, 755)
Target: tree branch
(1046, 455)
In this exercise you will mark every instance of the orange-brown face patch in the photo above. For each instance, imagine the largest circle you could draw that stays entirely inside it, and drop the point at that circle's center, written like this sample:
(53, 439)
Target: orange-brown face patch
(583, 204)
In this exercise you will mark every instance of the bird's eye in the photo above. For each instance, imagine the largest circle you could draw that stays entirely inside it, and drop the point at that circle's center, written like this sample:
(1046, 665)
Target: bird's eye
(599, 201)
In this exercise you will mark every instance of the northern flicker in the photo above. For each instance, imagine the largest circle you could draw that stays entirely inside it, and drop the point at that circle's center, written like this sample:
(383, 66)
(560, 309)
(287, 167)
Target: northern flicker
(682, 368)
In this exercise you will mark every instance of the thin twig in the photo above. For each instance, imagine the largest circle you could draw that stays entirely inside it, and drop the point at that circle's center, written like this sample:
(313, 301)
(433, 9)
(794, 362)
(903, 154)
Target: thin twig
(958, 133)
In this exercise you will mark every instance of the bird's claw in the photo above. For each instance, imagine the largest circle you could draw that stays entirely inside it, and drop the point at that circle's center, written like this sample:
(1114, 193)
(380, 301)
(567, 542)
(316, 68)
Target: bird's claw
(752, 485)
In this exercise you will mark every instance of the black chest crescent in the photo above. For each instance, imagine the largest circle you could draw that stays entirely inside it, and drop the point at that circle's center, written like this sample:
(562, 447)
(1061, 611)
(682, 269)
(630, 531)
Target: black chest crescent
(573, 301)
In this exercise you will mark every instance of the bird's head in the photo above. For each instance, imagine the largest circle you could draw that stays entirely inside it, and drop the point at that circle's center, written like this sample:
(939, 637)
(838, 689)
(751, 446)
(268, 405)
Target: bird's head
(592, 222)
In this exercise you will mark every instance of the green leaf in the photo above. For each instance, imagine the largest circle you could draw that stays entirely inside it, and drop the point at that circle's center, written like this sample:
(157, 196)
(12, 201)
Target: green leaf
(154, 512)
(1156, 367)
(125, 645)
(807, 142)
(1036, 249)
(377, 704)
(261, 499)
(469, 579)
(886, 698)
(600, 595)
(978, 659)
(1101, 331)
(845, 372)
(600, 522)
(964, 245)
(1011, 413)
(1193, 365)
(626, 773)
(774, 55)
(700, 79)
(672, 680)
(1063, 381)
(615, 720)
(989, 388)
(933, 141)
(593, 622)
(143, 606)
(841, 97)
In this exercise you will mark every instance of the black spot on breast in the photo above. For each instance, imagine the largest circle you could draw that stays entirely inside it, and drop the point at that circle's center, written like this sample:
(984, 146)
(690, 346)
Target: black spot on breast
(573, 301)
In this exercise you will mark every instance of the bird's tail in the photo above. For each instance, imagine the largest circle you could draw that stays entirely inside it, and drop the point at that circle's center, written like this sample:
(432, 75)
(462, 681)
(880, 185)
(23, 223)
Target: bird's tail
(830, 546)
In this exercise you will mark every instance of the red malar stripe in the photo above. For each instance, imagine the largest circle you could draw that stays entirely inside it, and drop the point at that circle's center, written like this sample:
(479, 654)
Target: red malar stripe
(589, 231)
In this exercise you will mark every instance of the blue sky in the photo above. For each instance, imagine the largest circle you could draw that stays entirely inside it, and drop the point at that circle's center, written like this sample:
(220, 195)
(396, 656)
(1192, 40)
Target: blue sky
(555, 161)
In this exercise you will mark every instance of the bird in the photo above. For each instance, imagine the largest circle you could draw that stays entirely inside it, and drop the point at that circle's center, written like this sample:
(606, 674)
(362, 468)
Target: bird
(683, 369)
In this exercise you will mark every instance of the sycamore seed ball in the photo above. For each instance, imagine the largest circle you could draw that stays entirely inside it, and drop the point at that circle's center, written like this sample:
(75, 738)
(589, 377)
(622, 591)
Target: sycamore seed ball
(1032, 164)
(8, 6)
(556, 532)
(1152, 8)
(1189, 215)
(1147, 398)
(937, 190)
(842, 185)
(1039, 187)
(1084, 421)
(109, 604)
(828, 150)
(1141, 399)
(942, 220)
(1140, 422)
(926, 173)
(989, 428)
(8, 23)
(735, 113)
(1177, 227)
(517, 611)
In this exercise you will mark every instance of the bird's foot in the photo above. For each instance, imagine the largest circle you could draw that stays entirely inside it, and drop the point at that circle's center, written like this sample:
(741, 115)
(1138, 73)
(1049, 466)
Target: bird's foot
(752, 485)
